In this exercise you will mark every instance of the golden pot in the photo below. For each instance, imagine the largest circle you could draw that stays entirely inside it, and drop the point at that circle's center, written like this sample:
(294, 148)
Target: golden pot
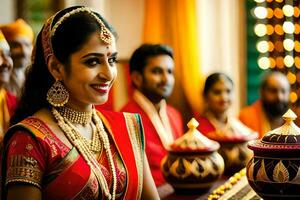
(193, 163)
(274, 170)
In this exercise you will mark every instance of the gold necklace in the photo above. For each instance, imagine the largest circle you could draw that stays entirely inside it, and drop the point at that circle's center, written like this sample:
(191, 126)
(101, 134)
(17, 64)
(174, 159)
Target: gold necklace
(75, 116)
(74, 136)
(95, 143)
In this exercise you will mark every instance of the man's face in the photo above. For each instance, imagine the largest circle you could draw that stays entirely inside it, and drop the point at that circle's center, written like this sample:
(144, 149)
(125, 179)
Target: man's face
(20, 48)
(275, 96)
(158, 78)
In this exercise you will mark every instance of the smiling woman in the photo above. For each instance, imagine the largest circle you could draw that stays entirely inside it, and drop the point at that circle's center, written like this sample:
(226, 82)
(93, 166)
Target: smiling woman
(70, 150)
(218, 125)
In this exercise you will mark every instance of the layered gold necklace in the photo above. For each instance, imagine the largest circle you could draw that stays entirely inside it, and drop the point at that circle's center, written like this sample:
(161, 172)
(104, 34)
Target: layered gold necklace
(75, 116)
(83, 118)
(76, 139)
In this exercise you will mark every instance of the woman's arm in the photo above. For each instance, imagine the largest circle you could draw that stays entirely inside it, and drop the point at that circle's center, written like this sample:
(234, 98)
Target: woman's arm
(23, 192)
(149, 189)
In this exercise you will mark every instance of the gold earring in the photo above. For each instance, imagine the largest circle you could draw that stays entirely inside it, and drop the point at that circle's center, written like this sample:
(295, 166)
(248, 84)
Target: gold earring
(57, 95)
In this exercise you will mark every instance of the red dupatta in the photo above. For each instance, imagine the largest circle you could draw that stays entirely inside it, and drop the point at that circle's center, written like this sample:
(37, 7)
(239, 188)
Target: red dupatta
(130, 146)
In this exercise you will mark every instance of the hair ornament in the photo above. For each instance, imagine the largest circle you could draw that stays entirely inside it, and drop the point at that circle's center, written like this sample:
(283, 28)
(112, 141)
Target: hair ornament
(48, 32)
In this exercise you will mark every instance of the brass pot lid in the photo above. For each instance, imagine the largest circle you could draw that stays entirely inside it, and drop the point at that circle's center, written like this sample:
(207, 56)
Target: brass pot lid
(194, 141)
(286, 137)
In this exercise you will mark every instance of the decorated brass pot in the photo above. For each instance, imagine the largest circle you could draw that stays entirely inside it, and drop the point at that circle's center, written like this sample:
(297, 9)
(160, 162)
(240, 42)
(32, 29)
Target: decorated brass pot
(193, 163)
(274, 170)
(233, 139)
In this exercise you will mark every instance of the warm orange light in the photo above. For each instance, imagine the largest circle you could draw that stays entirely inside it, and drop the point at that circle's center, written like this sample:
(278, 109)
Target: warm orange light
(293, 97)
(279, 46)
(296, 11)
(269, 1)
(270, 13)
(279, 1)
(278, 13)
(279, 62)
(297, 28)
(297, 46)
(271, 46)
(272, 62)
(297, 62)
(278, 29)
(291, 77)
(270, 29)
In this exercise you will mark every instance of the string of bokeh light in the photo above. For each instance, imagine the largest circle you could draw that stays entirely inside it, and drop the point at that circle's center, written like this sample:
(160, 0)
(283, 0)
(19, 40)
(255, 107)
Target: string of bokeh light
(278, 43)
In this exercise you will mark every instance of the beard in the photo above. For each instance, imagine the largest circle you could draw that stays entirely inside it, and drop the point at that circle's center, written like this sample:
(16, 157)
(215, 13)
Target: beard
(275, 109)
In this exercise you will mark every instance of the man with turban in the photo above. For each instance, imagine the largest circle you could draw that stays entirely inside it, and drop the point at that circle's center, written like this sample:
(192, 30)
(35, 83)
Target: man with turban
(19, 36)
(7, 100)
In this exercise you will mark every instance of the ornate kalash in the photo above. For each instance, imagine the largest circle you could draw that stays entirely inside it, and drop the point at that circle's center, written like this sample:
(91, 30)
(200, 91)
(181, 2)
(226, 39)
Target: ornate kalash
(233, 140)
(274, 170)
(193, 163)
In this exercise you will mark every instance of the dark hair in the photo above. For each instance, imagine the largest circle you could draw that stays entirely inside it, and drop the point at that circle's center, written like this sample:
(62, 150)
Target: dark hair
(267, 75)
(140, 56)
(212, 79)
(69, 37)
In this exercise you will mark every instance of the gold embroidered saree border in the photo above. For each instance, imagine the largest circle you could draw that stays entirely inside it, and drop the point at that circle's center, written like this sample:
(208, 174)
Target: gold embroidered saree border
(24, 169)
(136, 135)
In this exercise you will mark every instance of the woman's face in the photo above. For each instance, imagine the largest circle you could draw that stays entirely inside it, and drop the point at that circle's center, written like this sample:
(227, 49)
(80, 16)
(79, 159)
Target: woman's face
(219, 96)
(92, 73)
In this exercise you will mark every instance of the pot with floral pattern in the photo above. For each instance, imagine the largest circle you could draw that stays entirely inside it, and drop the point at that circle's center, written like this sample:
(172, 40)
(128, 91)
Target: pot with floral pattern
(193, 163)
(274, 170)
(233, 139)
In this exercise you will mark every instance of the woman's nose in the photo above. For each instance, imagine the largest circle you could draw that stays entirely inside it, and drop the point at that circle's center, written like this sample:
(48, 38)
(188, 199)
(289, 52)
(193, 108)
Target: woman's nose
(107, 72)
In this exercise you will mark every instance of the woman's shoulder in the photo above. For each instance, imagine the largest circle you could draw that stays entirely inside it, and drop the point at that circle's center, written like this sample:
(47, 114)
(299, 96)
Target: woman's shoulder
(33, 125)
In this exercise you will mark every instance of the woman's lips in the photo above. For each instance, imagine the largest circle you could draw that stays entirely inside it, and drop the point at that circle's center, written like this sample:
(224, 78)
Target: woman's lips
(102, 88)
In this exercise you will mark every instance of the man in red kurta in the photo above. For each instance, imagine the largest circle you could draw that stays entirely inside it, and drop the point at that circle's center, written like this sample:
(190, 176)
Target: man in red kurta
(151, 71)
(266, 113)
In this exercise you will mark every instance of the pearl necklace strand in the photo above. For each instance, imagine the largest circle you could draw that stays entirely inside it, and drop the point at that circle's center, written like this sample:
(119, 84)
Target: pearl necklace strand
(74, 136)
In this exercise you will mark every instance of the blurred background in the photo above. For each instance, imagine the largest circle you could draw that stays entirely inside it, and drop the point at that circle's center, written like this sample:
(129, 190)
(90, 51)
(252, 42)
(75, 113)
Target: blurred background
(241, 38)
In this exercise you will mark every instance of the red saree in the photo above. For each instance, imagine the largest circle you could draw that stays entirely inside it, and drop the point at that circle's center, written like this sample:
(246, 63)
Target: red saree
(34, 155)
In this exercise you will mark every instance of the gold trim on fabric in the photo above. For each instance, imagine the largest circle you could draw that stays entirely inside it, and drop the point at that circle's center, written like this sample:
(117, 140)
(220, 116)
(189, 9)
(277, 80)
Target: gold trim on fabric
(24, 169)
(136, 141)
(159, 119)
(63, 165)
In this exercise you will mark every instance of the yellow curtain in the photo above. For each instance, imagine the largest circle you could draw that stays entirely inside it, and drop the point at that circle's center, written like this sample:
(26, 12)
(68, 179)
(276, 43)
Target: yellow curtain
(173, 22)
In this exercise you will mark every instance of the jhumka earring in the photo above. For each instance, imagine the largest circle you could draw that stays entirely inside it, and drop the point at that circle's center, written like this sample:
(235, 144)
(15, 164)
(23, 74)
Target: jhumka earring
(57, 95)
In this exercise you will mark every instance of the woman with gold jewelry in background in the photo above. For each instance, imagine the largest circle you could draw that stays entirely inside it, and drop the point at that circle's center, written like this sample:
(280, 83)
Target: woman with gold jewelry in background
(217, 124)
(59, 146)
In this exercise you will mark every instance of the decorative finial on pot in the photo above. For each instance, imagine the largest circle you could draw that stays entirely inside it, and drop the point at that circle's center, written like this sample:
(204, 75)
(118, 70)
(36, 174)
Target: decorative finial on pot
(289, 116)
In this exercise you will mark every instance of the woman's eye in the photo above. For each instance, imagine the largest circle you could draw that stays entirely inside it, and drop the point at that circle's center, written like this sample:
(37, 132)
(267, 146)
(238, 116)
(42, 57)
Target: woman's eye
(112, 61)
(92, 62)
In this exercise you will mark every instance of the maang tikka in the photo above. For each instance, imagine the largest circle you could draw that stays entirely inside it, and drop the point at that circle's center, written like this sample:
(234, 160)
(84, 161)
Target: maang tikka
(57, 94)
